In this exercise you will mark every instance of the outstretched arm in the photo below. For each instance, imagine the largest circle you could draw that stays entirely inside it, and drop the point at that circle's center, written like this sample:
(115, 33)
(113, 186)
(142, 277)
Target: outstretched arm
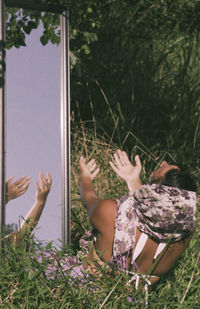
(17, 188)
(33, 216)
(88, 172)
(125, 170)
(101, 212)
(42, 192)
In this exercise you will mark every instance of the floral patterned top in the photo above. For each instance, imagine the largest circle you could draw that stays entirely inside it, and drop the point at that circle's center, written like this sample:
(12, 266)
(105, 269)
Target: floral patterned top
(159, 211)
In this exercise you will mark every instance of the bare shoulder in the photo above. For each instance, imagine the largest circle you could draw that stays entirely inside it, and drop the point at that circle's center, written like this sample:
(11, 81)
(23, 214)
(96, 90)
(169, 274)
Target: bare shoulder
(103, 215)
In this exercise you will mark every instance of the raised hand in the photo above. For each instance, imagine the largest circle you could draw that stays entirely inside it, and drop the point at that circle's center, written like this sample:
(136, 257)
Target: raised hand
(17, 188)
(124, 169)
(43, 188)
(89, 169)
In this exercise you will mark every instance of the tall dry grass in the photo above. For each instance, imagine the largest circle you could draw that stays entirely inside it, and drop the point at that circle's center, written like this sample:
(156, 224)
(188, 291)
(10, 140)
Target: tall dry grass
(21, 286)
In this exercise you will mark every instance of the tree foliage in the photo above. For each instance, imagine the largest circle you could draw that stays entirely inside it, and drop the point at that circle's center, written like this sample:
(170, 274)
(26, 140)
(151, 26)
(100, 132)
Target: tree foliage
(136, 66)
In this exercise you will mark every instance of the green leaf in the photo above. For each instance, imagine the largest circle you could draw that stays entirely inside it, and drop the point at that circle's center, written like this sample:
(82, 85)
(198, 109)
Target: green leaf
(44, 39)
(86, 49)
(90, 37)
(49, 245)
(27, 29)
(32, 25)
(89, 10)
(33, 274)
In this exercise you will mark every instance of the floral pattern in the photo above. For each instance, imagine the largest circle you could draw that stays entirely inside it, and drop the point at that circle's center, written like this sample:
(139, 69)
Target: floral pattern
(159, 211)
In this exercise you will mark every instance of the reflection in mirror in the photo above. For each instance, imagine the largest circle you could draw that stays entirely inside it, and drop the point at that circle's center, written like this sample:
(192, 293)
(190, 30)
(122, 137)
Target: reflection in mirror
(33, 129)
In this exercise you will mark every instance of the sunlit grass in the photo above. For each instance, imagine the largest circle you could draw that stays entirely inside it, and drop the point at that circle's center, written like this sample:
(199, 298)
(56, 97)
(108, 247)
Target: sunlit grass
(23, 285)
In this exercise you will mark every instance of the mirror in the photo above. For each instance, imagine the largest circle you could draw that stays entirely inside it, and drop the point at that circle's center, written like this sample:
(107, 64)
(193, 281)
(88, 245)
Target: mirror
(33, 129)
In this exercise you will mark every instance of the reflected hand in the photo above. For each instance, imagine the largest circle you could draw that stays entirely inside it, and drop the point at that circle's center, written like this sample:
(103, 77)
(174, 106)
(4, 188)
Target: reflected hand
(90, 169)
(17, 188)
(124, 169)
(43, 188)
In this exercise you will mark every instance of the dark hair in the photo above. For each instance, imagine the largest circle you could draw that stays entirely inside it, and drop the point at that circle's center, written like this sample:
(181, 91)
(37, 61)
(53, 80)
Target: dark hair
(180, 178)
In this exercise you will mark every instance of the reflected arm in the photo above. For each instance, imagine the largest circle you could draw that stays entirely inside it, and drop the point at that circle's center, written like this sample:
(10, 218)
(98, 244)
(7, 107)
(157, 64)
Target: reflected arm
(35, 212)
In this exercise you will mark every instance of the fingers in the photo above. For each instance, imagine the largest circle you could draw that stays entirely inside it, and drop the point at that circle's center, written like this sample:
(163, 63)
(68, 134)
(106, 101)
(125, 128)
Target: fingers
(23, 187)
(82, 160)
(94, 174)
(92, 168)
(124, 158)
(18, 187)
(120, 159)
(82, 163)
(120, 164)
(49, 178)
(92, 165)
(27, 183)
(9, 180)
(20, 180)
(42, 181)
(115, 169)
(37, 186)
(21, 184)
(89, 169)
(45, 182)
(117, 160)
(138, 162)
(23, 181)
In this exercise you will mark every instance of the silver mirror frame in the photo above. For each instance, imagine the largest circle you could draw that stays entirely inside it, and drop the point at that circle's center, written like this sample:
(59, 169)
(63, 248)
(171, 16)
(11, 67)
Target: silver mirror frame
(64, 106)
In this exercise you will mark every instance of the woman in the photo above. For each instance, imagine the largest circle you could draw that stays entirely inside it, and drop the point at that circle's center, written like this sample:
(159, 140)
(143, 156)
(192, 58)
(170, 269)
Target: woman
(151, 219)
(154, 222)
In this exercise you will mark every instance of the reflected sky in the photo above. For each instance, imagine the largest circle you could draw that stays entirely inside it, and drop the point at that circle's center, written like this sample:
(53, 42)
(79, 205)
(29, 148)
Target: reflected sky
(33, 129)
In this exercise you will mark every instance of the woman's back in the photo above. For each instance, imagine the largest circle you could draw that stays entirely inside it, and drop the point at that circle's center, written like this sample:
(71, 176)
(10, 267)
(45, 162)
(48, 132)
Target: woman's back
(107, 211)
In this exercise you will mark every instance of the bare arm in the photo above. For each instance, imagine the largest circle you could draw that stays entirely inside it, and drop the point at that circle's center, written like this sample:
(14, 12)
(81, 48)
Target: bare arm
(42, 192)
(35, 212)
(125, 170)
(88, 173)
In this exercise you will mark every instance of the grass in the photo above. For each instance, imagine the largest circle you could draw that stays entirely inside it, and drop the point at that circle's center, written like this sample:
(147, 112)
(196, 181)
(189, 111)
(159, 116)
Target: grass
(23, 285)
